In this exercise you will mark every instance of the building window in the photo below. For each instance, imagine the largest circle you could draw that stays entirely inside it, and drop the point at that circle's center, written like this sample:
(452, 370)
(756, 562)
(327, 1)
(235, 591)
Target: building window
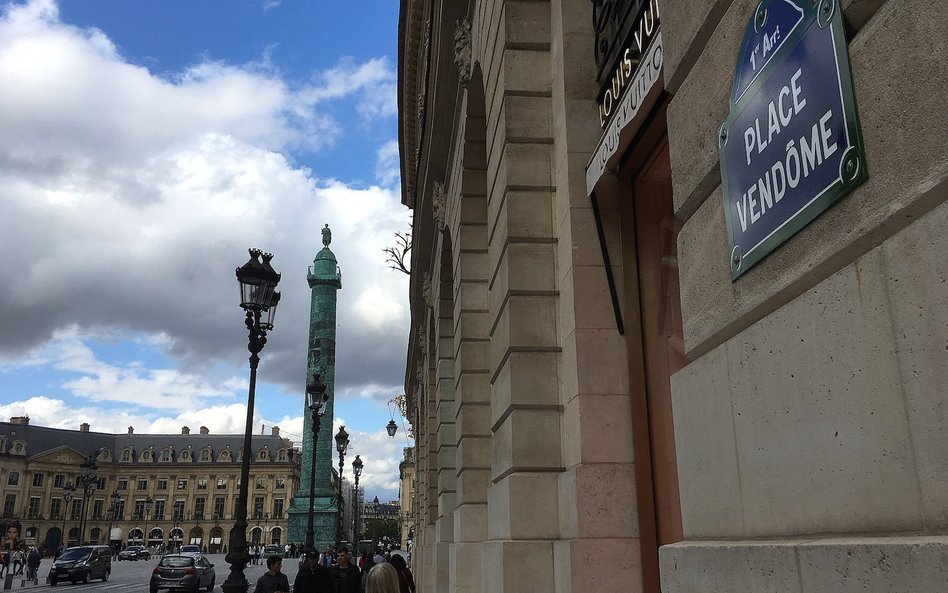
(55, 508)
(219, 507)
(162, 483)
(261, 482)
(9, 505)
(34, 510)
(75, 510)
(280, 483)
(224, 456)
(258, 507)
(120, 510)
(178, 510)
(166, 454)
(281, 455)
(263, 455)
(122, 484)
(185, 455)
(3, 445)
(140, 510)
(38, 480)
(202, 484)
(126, 454)
(100, 483)
(146, 455)
(59, 480)
(13, 478)
(142, 484)
(222, 483)
(183, 484)
(97, 507)
(206, 455)
(278, 508)
(159, 510)
(199, 507)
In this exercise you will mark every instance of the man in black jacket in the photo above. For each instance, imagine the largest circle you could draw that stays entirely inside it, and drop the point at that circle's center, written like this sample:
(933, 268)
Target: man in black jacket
(346, 577)
(312, 578)
(273, 581)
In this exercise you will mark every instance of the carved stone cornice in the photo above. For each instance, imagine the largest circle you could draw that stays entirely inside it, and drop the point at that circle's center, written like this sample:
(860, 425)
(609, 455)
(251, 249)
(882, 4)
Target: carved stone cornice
(426, 290)
(462, 50)
(439, 196)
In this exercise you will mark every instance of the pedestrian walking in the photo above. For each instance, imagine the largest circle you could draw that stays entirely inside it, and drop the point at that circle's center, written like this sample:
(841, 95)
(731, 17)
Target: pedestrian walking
(273, 581)
(346, 577)
(33, 560)
(406, 582)
(383, 578)
(312, 576)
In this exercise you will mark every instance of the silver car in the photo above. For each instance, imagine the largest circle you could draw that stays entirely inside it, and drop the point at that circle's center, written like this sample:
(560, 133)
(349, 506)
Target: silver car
(182, 572)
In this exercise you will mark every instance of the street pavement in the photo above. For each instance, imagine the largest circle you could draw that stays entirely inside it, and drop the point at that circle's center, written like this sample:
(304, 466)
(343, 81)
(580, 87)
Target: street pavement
(133, 576)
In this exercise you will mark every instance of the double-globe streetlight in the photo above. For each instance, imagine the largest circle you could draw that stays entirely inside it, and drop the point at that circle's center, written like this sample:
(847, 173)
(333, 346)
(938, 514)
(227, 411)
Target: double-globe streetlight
(87, 480)
(69, 491)
(356, 507)
(342, 443)
(146, 504)
(114, 498)
(316, 399)
(258, 298)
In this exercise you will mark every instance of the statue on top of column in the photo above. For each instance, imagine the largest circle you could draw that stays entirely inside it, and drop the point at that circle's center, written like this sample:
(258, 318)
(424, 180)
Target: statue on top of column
(327, 235)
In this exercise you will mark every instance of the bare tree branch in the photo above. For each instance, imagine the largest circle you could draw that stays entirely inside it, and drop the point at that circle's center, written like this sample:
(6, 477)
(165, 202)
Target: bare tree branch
(397, 256)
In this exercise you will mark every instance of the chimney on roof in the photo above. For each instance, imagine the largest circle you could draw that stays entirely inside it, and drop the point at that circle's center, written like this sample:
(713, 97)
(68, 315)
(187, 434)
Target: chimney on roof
(84, 427)
(131, 430)
(204, 430)
(185, 430)
(275, 431)
(20, 420)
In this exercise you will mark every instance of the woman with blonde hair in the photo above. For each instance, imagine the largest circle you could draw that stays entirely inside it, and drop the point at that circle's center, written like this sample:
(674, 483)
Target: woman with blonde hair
(382, 579)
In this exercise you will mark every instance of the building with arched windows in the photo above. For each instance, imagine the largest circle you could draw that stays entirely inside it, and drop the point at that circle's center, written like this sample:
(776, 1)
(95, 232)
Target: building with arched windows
(624, 375)
(179, 488)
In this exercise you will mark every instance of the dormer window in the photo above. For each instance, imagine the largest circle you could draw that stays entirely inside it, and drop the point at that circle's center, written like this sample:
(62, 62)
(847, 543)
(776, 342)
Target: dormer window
(205, 455)
(224, 456)
(146, 455)
(281, 455)
(263, 455)
(166, 454)
(185, 456)
(126, 454)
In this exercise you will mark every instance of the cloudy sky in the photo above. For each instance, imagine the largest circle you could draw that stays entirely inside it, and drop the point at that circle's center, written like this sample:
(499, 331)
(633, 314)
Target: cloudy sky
(145, 146)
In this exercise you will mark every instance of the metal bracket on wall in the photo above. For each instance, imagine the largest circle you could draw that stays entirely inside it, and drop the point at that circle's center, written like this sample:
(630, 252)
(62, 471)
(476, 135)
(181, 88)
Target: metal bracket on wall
(607, 263)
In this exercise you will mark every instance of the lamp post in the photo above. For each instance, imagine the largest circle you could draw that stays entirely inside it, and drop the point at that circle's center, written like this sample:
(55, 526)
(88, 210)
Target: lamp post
(266, 528)
(175, 541)
(342, 443)
(114, 498)
(69, 491)
(356, 471)
(316, 402)
(87, 480)
(258, 298)
(148, 503)
(391, 428)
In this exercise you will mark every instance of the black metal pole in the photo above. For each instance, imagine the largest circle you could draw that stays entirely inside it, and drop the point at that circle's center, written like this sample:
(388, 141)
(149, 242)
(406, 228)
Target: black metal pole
(237, 555)
(310, 535)
(339, 528)
(355, 514)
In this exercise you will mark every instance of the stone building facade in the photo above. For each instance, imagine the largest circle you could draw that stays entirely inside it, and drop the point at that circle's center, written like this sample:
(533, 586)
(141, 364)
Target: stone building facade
(192, 480)
(597, 404)
(406, 497)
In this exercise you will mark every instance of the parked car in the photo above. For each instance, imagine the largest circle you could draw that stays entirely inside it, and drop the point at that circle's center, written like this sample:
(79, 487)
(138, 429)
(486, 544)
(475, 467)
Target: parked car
(182, 571)
(191, 550)
(135, 553)
(81, 563)
(272, 550)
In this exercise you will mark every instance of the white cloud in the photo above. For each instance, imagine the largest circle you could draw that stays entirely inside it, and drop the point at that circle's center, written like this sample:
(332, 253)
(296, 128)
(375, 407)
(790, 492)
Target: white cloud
(130, 198)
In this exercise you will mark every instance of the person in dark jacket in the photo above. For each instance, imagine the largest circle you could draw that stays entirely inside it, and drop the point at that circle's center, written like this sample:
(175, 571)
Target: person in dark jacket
(313, 577)
(346, 577)
(33, 560)
(273, 581)
(406, 583)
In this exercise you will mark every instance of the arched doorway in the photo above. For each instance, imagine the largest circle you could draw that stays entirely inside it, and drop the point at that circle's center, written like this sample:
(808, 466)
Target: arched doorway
(95, 535)
(256, 535)
(72, 538)
(135, 537)
(196, 536)
(217, 540)
(276, 535)
(175, 539)
(156, 537)
(52, 540)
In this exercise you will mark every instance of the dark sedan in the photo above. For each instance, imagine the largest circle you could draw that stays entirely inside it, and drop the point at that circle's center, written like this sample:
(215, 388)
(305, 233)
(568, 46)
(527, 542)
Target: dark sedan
(181, 571)
(134, 553)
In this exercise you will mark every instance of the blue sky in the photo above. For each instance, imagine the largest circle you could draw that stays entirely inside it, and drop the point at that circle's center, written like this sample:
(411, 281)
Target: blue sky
(146, 146)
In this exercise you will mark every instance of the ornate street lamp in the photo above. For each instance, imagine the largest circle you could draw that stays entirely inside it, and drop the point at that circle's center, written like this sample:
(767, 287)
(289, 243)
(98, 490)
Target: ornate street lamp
(316, 402)
(342, 443)
(356, 471)
(86, 480)
(391, 427)
(148, 503)
(69, 491)
(114, 498)
(258, 298)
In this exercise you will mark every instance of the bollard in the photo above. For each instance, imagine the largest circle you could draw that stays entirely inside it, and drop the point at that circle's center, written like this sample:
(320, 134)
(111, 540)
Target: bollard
(8, 581)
